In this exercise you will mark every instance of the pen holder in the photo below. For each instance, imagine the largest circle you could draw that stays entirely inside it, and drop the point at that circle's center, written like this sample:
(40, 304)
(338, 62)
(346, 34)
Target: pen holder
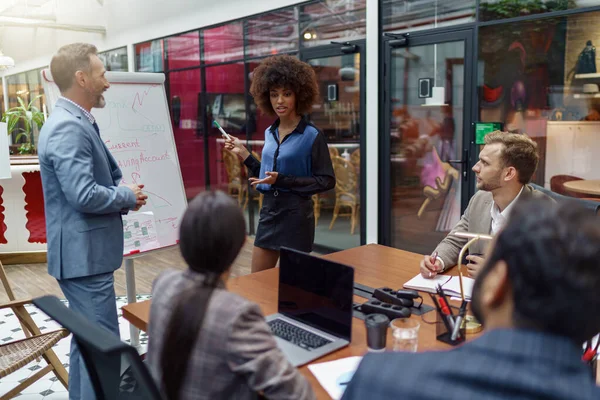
(443, 335)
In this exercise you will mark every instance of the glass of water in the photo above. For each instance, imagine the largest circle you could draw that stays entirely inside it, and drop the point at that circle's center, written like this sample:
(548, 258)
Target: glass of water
(405, 332)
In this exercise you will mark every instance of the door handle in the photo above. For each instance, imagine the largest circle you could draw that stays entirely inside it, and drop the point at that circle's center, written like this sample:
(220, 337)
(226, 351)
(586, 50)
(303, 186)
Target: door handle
(463, 163)
(465, 159)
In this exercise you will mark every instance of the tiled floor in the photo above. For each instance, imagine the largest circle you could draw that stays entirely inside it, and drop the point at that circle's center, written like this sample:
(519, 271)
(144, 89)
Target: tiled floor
(48, 388)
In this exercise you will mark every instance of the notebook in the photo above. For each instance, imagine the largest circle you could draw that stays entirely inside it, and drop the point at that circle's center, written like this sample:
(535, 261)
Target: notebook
(451, 285)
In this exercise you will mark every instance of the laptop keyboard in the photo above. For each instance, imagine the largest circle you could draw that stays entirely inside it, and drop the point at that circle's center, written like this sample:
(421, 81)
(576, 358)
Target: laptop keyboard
(296, 335)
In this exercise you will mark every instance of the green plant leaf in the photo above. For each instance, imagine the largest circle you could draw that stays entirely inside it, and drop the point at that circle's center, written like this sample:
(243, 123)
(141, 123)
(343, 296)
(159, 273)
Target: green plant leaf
(34, 100)
(20, 135)
(20, 100)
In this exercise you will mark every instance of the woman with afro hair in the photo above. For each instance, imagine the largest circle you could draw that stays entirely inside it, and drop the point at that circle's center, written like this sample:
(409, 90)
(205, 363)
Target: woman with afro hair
(295, 159)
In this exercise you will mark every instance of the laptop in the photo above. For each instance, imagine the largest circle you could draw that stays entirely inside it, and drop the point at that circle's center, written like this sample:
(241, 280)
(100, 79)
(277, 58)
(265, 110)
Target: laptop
(314, 307)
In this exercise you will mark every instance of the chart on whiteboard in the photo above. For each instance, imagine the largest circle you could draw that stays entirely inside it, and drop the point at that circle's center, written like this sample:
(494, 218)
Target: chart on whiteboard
(139, 232)
(135, 125)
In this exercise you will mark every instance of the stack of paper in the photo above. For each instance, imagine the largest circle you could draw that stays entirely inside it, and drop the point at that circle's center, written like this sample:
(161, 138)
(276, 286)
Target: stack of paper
(335, 376)
(450, 284)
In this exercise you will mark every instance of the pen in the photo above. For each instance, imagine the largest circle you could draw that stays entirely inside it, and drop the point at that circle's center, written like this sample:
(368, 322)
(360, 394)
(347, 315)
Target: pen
(433, 257)
(439, 310)
(446, 308)
(215, 123)
(459, 319)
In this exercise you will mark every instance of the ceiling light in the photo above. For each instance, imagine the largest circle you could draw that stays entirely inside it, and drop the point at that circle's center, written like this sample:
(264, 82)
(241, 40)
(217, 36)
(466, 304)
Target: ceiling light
(6, 62)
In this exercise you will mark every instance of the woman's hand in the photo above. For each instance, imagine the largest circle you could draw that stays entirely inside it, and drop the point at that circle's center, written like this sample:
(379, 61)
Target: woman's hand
(235, 146)
(270, 179)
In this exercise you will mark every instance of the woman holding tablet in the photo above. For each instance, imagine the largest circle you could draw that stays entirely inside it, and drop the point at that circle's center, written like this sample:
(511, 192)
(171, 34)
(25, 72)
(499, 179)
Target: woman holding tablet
(295, 159)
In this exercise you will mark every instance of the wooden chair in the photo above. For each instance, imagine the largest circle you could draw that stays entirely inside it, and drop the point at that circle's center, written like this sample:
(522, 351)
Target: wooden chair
(235, 181)
(15, 355)
(355, 159)
(346, 191)
(557, 185)
(333, 152)
(316, 207)
(256, 195)
(442, 187)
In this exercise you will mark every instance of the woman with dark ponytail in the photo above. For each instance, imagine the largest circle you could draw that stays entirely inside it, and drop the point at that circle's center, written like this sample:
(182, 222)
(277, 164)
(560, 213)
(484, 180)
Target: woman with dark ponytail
(205, 342)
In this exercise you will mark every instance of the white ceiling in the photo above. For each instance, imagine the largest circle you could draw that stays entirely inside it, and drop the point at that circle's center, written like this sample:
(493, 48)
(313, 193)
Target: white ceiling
(32, 30)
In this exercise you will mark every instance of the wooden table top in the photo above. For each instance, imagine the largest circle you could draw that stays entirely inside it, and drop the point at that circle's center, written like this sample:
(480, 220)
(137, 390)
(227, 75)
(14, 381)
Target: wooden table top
(375, 266)
(587, 186)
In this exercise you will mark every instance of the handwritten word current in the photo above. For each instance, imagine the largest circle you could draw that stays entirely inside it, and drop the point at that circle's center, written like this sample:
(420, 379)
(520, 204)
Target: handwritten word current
(136, 162)
(122, 145)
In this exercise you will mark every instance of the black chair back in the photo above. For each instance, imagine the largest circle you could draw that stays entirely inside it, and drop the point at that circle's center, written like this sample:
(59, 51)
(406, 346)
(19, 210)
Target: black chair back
(116, 370)
(593, 206)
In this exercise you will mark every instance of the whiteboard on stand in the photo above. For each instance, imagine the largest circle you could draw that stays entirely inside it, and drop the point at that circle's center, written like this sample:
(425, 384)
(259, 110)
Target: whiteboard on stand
(136, 127)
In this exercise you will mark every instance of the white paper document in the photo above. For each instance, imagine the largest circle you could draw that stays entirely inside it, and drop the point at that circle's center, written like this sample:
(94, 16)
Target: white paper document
(139, 232)
(335, 376)
(450, 284)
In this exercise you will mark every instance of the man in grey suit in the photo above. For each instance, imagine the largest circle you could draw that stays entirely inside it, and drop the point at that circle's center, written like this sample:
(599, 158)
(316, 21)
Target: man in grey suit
(534, 296)
(83, 200)
(505, 167)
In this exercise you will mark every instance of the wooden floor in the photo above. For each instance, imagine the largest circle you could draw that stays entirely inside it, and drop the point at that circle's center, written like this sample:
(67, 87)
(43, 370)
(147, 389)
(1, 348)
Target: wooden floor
(32, 280)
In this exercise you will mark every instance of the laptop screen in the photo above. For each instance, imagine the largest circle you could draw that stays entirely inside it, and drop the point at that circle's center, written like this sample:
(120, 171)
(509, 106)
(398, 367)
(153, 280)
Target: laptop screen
(316, 292)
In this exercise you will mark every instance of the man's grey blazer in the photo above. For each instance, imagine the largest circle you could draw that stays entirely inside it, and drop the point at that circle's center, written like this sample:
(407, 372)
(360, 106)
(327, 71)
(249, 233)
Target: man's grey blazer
(477, 219)
(83, 203)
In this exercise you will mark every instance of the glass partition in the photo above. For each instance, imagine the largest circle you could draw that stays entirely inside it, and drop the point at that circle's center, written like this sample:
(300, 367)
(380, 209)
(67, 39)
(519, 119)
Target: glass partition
(328, 20)
(183, 51)
(149, 56)
(223, 43)
(415, 15)
(115, 60)
(541, 78)
(490, 10)
(273, 33)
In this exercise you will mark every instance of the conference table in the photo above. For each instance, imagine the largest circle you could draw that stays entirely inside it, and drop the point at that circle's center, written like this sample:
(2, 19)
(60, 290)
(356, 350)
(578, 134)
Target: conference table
(375, 266)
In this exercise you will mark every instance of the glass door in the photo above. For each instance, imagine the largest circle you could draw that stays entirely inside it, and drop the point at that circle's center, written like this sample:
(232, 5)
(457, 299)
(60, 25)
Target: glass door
(339, 115)
(425, 167)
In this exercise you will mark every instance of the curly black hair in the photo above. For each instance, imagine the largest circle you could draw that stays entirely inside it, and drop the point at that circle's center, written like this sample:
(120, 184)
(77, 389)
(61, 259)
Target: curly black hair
(284, 72)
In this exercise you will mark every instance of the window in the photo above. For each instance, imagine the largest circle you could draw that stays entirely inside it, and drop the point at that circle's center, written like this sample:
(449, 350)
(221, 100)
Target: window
(540, 78)
(149, 56)
(184, 92)
(413, 15)
(183, 51)
(223, 43)
(225, 103)
(271, 34)
(328, 20)
(115, 60)
(490, 10)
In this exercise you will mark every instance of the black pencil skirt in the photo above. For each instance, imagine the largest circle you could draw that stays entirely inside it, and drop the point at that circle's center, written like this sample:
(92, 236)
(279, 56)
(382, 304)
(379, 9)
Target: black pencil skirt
(286, 219)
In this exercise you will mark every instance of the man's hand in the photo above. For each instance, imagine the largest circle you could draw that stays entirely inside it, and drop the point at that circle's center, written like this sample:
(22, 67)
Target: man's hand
(430, 269)
(140, 197)
(475, 264)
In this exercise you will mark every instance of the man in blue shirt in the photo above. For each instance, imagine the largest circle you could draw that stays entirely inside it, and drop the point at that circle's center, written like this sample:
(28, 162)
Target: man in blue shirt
(537, 296)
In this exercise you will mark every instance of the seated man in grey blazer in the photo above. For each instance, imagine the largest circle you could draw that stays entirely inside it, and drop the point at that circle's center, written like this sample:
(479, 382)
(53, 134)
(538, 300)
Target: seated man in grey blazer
(204, 341)
(505, 167)
(533, 296)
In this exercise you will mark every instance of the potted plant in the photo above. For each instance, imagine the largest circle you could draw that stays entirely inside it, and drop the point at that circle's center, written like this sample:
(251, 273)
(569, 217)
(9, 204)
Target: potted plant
(21, 119)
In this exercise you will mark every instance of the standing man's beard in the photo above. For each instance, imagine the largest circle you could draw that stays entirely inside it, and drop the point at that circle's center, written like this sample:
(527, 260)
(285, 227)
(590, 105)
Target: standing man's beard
(101, 102)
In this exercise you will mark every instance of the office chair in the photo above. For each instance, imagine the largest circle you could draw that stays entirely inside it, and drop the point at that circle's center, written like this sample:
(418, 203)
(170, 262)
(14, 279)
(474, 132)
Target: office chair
(115, 368)
(593, 206)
